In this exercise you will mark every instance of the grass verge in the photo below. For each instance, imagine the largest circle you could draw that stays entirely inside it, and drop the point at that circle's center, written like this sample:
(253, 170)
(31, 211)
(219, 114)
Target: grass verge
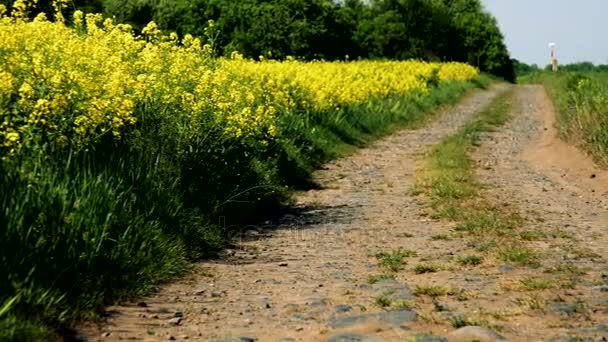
(448, 181)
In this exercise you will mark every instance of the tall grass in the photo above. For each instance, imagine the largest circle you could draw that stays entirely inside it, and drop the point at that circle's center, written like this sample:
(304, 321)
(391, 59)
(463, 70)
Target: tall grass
(581, 102)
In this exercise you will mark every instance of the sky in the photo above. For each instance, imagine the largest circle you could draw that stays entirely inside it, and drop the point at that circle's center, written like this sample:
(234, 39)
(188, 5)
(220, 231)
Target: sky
(579, 28)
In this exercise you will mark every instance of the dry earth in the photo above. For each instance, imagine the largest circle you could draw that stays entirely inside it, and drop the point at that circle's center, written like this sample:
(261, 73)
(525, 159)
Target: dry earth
(305, 276)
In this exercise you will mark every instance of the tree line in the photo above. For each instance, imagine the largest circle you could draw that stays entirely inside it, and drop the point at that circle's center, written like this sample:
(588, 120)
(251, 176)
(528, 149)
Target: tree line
(435, 30)
(522, 68)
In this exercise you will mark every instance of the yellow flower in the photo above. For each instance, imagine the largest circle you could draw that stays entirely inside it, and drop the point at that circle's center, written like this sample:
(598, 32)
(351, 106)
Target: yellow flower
(12, 137)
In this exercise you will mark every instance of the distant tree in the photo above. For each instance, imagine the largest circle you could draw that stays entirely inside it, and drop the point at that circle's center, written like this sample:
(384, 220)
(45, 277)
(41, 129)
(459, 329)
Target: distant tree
(522, 68)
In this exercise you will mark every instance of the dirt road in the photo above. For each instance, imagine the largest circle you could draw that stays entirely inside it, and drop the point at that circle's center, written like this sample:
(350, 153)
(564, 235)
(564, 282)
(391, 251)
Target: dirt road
(314, 276)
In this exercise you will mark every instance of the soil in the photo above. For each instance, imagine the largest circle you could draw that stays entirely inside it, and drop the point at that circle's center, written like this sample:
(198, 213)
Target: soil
(305, 276)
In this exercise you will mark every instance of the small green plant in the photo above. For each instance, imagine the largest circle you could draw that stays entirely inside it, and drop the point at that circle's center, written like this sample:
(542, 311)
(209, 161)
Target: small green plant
(461, 321)
(535, 283)
(483, 246)
(535, 303)
(394, 260)
(383, 299)
(400, 304)
(425, 268)
(532, 235)
(444, 237)
(378, 278)
(470, 260)
(432, 291)
(520, 255)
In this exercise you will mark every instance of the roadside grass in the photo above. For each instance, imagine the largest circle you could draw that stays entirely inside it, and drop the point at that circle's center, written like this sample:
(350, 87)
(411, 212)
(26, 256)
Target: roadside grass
(394, 260)
(581, 108)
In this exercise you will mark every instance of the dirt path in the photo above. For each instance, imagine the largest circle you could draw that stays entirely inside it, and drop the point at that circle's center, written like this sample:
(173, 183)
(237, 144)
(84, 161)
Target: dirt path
(307, 277)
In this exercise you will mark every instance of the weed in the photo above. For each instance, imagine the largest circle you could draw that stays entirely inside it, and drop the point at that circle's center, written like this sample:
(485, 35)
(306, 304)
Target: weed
(378, 278)
(483, 246)
(383, 300)
(394, 260)
(432, 291)
(535, 283)
(520, 255)
(535, 303)
(425, 268)
(532, 235)
(470, 260)
(444, 237)
(463, 321)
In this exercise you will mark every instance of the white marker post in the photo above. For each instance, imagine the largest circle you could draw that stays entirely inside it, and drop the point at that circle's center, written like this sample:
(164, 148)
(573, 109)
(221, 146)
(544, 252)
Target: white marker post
(553, 59)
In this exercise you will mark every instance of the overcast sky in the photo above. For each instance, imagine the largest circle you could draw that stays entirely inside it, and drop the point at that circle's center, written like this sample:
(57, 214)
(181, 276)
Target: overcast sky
(578, 27)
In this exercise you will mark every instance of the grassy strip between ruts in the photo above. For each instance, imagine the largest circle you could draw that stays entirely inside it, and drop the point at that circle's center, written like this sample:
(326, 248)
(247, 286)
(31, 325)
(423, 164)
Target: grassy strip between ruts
(448, 181)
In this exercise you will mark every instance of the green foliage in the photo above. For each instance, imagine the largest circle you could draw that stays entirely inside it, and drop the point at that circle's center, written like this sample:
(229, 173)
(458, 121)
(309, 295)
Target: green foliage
(426, 268)
(519, 255)
(470, 260)
(432, 291)
(81, 229)
(394, 260)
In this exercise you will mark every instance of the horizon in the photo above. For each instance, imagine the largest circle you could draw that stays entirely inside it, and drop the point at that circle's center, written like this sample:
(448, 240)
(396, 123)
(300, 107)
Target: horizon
(529, 27)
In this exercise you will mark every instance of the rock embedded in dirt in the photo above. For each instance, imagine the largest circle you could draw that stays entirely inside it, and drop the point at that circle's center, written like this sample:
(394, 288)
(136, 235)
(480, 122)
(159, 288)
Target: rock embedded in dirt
(600, 288)
(441, 307)
(317, 302)
(394, 318)
(175, 320)
(238, 339)
(424, 337)
(392, 289)
(505, 268)
(343, 308)
(353, 337)
(602, 328)
(474, 333)
(564, 338)
(564, 309)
